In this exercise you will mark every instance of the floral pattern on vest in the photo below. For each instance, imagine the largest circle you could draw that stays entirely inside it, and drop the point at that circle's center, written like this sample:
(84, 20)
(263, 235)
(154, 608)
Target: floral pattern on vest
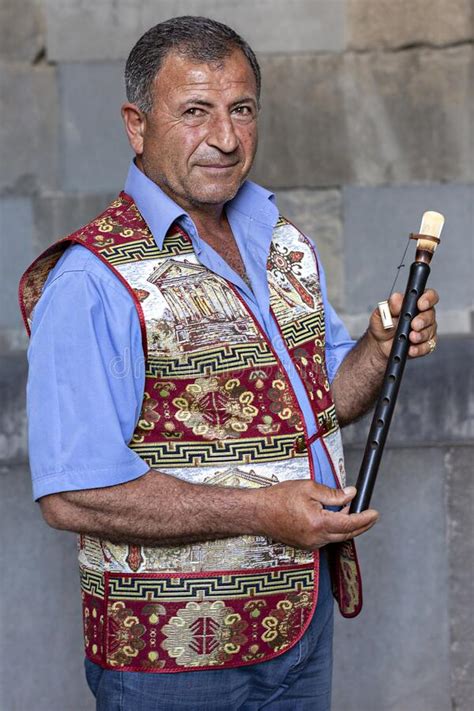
(218, 409)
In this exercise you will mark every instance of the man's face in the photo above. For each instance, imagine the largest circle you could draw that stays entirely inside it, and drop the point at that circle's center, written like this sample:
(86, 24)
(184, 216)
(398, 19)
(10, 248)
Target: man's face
(199, 139)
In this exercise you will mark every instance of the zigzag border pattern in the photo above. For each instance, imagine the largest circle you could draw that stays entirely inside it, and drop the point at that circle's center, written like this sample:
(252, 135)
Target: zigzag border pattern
(305, 329)
(194, 454)
(92, 582)
(328, 419)
(219, 360)
(216, 587)
(147, 249)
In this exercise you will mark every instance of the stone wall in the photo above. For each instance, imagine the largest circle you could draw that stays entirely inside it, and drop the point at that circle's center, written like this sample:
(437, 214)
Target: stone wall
(367, 121)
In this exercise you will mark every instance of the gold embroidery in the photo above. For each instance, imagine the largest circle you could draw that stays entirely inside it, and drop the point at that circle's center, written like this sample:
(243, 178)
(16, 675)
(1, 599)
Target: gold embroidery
(216, 408)
(124, 635)
(204, 633)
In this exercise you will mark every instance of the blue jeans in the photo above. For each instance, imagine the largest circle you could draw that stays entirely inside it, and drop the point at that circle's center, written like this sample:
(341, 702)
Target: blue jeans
(298, 680)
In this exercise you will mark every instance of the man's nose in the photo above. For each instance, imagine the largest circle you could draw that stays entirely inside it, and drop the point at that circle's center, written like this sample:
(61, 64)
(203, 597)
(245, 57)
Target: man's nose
(222, 134)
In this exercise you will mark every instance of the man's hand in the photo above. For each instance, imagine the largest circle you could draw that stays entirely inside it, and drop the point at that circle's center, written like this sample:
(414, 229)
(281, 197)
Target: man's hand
(292, 512)
(358, 380)
(159, 509)
(423, 325)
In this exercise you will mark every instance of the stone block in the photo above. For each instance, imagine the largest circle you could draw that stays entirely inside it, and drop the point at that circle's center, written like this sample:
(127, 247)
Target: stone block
(409, 116)
(389, 24)
(302, 127)
(40, 607)
(461, 554)
(95, 154)
(13, 437)
(58, 214)
(317, 213)
(395, 655)
(21, 29)
(369, 119)
(436, 400)
(377, 222)
(28, 129)
(16, 252)
(76, 31)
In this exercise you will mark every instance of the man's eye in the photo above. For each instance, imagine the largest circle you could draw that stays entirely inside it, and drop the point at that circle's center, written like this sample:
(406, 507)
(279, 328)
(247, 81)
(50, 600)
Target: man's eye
(194, 111)
(243, 110)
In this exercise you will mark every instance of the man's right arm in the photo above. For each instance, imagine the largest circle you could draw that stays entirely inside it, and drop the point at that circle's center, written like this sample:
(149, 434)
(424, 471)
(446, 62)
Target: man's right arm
(158, 509)
(85, 389)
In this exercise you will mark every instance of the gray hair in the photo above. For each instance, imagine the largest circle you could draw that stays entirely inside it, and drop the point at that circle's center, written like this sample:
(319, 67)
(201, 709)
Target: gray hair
(199, 38)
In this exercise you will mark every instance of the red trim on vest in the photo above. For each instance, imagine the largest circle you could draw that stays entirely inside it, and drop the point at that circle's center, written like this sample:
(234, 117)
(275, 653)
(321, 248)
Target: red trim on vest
(74, 239)
(100, 638)
(335, 560)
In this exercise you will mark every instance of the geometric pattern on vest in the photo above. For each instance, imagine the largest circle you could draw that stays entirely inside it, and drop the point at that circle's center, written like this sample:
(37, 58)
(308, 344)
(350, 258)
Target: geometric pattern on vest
(218, 409)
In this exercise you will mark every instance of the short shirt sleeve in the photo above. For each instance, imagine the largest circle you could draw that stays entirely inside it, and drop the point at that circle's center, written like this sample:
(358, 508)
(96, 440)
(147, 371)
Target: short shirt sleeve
(85, 380)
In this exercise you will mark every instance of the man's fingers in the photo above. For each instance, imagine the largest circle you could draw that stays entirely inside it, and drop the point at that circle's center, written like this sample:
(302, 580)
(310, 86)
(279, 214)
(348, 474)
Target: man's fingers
(424, 335)
(428, 299)
(423, 321)
(333, 497)
(340, 537)
(342, 524)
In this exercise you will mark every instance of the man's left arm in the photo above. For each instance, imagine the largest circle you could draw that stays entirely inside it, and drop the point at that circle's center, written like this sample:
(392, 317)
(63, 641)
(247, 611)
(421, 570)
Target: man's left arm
(360, 375)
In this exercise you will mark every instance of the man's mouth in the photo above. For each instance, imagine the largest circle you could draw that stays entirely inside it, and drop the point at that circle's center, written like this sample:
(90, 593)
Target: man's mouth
(217, 166)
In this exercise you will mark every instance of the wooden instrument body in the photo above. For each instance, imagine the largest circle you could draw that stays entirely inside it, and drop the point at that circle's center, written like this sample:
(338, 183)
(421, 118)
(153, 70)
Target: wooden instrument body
(419, 272)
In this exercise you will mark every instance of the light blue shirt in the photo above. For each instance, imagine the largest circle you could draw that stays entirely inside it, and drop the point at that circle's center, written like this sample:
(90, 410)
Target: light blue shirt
(82, 408)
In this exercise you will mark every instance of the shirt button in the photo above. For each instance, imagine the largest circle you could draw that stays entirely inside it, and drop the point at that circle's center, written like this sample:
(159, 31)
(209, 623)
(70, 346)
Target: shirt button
(300, 444)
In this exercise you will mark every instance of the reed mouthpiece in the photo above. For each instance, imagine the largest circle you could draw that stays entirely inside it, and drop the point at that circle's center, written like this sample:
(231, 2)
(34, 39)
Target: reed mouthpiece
(432, 224)
(428, 238)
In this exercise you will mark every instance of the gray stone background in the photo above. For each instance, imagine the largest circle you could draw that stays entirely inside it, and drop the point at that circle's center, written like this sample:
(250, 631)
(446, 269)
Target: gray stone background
(366, 122)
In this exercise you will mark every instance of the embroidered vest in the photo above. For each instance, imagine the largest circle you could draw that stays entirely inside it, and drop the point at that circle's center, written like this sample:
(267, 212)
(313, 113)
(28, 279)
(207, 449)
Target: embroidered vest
(218, 409)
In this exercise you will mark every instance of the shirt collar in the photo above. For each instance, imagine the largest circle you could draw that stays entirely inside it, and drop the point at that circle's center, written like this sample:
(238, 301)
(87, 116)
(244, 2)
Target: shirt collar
(159, 211)
(255, 202)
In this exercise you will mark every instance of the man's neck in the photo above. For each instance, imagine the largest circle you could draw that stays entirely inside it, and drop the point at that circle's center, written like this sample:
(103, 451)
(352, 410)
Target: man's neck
(209, 221)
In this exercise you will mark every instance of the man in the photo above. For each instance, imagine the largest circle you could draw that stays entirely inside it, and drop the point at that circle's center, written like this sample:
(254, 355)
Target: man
(181, 417)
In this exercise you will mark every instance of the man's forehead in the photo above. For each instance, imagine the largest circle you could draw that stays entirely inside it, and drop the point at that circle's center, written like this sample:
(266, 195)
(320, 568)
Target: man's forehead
(183, 75)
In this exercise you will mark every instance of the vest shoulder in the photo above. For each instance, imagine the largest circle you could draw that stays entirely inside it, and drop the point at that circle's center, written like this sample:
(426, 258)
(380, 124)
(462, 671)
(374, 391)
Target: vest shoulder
(121, 218)
(77, 258)
(285, 226)
(119, 223)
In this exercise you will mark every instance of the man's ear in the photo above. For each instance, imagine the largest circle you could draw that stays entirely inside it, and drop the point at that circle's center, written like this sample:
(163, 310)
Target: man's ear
(135, 122)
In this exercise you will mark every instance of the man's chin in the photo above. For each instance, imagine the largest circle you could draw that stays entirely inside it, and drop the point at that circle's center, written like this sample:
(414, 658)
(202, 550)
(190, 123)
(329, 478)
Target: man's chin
(214, 197)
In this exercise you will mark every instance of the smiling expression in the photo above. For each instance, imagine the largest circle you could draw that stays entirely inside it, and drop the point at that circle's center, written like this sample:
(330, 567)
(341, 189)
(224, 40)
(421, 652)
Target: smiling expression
(199, 140)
